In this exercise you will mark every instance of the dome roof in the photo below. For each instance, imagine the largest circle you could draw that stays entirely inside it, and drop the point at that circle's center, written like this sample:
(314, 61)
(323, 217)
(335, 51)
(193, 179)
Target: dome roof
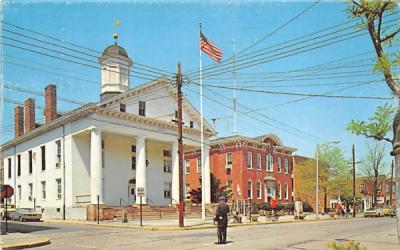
(115, 50)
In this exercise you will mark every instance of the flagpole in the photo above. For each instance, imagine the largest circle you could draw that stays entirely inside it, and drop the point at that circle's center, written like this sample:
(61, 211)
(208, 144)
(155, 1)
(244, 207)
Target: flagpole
(203, 193)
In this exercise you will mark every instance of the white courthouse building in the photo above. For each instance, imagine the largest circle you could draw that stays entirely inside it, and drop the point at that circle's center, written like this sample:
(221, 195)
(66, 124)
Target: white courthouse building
(104, 150)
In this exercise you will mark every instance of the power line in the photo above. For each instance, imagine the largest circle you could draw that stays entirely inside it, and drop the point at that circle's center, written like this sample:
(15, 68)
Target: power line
(73, 44)
(295, 51)
(297, 94)
(279, 28)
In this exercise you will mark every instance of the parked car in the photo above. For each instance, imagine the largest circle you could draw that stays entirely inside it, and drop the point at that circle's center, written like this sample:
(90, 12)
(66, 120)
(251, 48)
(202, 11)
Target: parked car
(10, 208)
(393, 212)
(25, 214)
(374, 212)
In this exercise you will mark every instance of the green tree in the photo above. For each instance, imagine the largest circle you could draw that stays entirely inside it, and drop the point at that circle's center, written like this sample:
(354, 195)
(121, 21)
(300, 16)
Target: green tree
(216, 191)
(334, 179)
(371, 15)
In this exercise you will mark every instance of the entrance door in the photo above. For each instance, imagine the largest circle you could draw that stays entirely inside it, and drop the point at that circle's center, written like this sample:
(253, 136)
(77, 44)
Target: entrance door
(132, 191)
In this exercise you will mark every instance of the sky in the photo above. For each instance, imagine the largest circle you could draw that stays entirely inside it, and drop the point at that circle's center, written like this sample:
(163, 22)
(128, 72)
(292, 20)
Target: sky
(161, 34)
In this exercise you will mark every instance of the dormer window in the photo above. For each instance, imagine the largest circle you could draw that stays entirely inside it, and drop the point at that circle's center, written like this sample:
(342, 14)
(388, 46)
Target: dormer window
(122, 107)
(142, 108)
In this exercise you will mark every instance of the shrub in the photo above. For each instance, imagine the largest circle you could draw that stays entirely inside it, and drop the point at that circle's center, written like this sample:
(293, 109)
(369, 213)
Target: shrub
(348, 245)
(307, 207)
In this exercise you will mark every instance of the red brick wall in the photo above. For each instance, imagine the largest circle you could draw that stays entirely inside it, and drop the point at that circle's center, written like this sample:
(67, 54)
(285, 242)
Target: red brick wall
(29, 114)
(50, 103)
(240, 174)
(18, 121)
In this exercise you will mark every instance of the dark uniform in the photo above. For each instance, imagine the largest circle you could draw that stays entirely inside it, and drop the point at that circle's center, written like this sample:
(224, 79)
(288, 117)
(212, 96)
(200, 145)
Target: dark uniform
(221, 217)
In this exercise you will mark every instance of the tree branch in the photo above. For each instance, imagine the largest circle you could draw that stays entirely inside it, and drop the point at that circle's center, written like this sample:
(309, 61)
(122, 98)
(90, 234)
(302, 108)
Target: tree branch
(377, 137)
(390, 36)
(380, 18)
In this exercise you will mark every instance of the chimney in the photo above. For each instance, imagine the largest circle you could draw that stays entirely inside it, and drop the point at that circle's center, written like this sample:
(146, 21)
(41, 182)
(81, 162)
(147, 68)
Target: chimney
(50, 112)
(18, 121)
(29, 114)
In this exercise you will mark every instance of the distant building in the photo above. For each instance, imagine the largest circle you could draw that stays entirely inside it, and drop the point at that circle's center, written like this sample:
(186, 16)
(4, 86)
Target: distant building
(257, 168)
(304, 172)
(102, 152)
(1, 169)
(366, 187)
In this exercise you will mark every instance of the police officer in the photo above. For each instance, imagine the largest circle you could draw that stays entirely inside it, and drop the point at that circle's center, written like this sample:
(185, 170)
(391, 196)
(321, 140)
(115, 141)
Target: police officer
(221, 217)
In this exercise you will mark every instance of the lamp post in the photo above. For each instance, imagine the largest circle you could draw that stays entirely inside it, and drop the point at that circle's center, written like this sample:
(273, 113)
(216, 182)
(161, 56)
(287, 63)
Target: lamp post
(316, 182)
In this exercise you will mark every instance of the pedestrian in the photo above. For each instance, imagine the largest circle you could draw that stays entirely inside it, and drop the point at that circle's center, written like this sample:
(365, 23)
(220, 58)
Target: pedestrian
(221, 217)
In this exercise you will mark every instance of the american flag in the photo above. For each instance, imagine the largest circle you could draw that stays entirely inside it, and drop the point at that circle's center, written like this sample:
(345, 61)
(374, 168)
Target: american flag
(210, 48)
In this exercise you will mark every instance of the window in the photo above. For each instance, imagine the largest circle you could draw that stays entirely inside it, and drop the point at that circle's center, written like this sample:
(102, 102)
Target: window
(132, 181)
(167, 153)
(286, 166)
(362, 188)
(198, 164)
(167, 166)
(58, 153)
(142, 108)
(279, 164)
(58, 188)
(250, 189)
(19, 165)
(191, 124)
(228, 160)
(249, 160)
(259, 161)
(229, 187)
(43, 190)
(258, 189)
(30, 162)
(19, 192)
(133, 149)
(9, 168)
(279, 191)
(133, 163)
(122, 107)
(187, 191)
(167, 190)
(286, 191)
(269, 162)
(43, 157)
(30, 185)
(176, 115)
(187, 166)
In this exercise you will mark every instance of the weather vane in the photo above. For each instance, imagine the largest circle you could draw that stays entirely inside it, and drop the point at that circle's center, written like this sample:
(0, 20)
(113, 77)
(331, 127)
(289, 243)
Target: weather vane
(116, 24)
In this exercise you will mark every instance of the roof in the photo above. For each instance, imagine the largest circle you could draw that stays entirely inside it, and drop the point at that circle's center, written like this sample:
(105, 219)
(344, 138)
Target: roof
(91, 108)
(273, 137)
(115, 50)
(258, 139)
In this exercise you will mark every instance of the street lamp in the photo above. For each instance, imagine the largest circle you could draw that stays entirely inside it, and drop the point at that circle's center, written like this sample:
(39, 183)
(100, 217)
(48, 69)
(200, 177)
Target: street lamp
(316, 182)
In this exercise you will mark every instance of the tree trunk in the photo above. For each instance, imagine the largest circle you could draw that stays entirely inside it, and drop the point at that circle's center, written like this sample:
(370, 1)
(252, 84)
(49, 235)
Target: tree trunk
(394, 87)
(325, 199)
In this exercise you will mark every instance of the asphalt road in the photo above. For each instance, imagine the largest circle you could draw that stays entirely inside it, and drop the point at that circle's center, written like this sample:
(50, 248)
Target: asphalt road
(374, 233)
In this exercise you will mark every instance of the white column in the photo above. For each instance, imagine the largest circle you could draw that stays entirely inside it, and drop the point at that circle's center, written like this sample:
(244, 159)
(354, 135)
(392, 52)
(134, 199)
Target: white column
(96, 167)
(207, 174)
(141, 168)
(175, 173)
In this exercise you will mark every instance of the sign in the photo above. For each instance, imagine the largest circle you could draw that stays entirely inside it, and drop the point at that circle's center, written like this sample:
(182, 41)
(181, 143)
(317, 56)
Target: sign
(380, 199)
(6, 191)
(140, 191)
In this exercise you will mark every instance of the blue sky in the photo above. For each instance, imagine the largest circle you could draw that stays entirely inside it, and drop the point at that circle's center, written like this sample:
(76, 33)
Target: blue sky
(161, 34)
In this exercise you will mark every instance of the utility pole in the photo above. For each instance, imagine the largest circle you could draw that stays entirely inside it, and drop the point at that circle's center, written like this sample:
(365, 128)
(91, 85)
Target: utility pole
(391, 184)
(234, 87)
(180, 145)
(354, 181)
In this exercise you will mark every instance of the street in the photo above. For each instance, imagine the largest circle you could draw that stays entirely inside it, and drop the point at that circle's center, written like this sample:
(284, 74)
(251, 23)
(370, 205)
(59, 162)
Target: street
(374, 233)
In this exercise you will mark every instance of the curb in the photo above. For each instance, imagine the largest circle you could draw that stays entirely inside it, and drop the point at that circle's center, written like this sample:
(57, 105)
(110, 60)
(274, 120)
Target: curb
(156, 228)
(23, 245)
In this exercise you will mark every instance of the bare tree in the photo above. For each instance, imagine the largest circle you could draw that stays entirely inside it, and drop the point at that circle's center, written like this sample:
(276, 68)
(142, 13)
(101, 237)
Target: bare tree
(373, 165)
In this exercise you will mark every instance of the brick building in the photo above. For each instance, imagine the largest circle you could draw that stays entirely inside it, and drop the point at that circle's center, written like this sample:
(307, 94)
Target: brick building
(382, 195)
(257, 168)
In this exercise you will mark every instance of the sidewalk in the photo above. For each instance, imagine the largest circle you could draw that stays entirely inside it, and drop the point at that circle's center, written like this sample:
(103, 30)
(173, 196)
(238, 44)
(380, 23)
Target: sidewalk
(190, 223)
(21, 241)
